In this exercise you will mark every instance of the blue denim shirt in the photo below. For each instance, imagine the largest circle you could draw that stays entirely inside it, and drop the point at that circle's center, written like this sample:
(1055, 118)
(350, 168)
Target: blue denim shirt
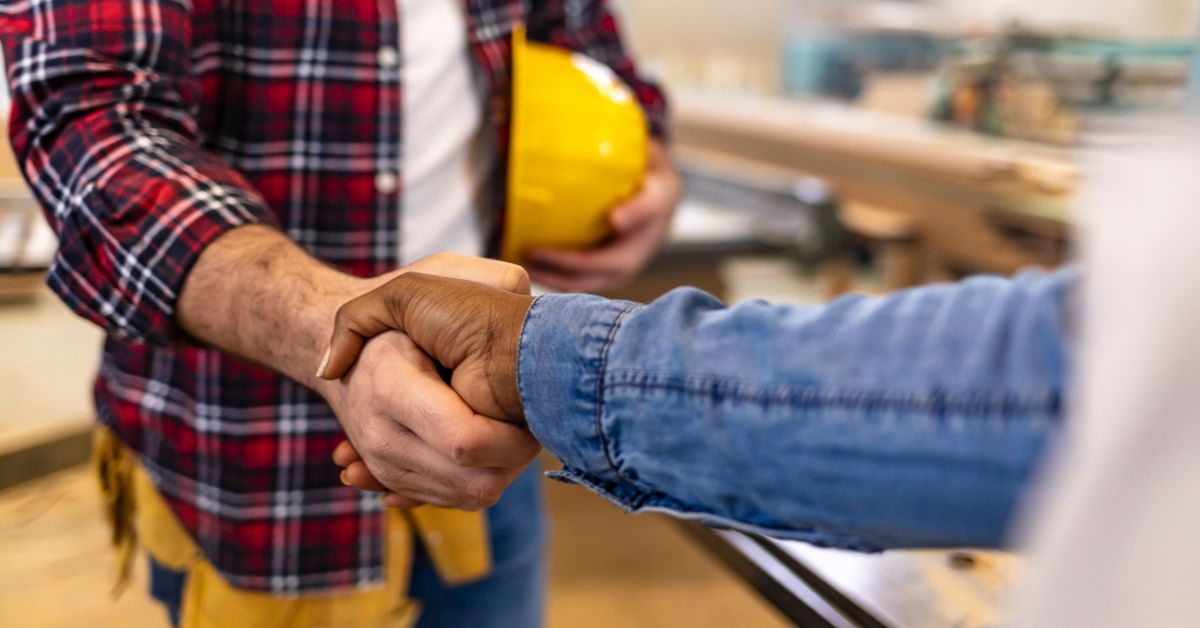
(911, 420)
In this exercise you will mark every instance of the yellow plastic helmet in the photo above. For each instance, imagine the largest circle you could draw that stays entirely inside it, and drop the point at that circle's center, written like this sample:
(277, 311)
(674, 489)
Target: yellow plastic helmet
(578, 147)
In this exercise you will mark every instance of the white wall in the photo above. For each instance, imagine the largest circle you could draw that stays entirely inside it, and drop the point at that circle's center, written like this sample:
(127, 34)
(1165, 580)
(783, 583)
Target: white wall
(1130, 18)
(755, 24)
(723, 44)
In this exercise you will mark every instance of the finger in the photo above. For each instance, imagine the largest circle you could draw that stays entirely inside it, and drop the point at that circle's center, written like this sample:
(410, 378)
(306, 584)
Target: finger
(345, 454)
(572, 282)
(392, 500)
(357, 320)
(405, 464)
(359, 476)
(470, 499)
(609, 257)
(634, 213)
(413, 475)
(621, 255)
(442, 419)
(495, 273)
(655, 200)
(373, 313)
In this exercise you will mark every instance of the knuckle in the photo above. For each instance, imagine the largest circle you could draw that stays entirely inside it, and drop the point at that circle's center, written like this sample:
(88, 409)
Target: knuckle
(375, 444)
(466, 447)
(342, 317)
(394, 479)
(515, 277)
(347, 317)
(419, 412)
(484, 490)
(375, 449)
(443, 258)
(531, 448)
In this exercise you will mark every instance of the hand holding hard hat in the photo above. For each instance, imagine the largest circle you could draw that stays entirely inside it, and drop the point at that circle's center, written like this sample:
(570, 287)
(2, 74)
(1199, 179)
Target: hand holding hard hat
(589, 195)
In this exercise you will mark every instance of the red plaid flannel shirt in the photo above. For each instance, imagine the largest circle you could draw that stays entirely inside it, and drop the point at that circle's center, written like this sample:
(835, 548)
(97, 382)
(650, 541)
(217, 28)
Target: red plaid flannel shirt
(147, 128)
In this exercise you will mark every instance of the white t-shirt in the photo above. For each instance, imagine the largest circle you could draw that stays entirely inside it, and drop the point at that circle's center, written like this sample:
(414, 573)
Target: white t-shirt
(445, 155)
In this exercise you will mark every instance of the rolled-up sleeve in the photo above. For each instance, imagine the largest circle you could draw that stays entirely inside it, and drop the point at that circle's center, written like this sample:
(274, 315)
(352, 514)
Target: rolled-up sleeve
(564, 346)
(103, 131)
(911, 420)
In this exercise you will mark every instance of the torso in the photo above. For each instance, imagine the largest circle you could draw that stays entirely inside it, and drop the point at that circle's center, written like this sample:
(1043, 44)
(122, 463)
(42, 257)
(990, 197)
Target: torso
(445, 153)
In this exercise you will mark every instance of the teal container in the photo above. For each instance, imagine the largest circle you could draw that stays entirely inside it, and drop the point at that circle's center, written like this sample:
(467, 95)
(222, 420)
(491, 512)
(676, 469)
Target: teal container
(806, 56)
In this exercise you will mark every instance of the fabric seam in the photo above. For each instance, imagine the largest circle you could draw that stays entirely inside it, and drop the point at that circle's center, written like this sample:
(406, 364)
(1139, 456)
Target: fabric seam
(529, 314)
(605, 445)
(824, 397)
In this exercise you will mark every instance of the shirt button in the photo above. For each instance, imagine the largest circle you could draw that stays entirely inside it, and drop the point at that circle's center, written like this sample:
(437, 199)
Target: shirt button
(386, 182)
(388, 57)
(433, 539)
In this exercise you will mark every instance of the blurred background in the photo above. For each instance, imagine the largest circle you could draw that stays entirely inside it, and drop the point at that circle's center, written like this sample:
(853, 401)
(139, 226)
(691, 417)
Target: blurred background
(828, 146)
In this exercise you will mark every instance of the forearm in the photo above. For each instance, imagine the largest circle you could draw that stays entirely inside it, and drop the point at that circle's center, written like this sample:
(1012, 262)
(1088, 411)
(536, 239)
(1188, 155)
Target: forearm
(103, 129)
(909, 420)
(255, 293)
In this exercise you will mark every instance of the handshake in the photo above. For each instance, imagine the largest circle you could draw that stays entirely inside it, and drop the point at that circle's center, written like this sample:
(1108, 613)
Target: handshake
(420, 437)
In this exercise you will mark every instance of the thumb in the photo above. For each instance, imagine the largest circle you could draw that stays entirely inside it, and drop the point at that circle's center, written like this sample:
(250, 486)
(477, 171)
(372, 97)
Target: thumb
(376, 312)
(491, 272)
(361, 318)
(631, 214)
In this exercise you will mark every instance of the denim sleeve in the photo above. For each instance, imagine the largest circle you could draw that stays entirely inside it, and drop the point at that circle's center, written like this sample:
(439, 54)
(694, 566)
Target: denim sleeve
(911, 420)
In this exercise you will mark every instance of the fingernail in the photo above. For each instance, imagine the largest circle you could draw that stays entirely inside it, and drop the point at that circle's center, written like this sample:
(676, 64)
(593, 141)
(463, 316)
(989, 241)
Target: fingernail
(345, 478)
(324, 363)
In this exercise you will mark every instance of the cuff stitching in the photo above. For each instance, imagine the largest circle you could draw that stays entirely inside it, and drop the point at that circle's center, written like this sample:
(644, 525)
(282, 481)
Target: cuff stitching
(605, 446)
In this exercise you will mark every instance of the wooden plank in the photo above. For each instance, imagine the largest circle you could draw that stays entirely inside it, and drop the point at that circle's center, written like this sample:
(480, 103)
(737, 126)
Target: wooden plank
(960, 190)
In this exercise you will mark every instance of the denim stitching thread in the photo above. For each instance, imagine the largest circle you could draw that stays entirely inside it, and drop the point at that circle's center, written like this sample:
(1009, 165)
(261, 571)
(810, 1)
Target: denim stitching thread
(529, 315)
(599, 419)
(939, 403)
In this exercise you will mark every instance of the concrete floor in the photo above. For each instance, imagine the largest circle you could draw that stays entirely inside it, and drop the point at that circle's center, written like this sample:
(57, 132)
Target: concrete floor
(608, 569)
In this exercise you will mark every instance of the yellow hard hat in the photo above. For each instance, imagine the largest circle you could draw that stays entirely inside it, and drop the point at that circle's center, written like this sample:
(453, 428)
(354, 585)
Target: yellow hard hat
(578, 146)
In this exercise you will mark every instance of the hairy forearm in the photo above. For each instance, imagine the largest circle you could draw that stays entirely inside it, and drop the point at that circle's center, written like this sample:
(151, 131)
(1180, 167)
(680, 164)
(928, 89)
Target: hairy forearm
(256, 294)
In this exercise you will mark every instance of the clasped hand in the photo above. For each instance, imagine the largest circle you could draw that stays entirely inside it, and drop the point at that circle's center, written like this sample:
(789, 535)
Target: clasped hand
(412, 434)
(459, 444)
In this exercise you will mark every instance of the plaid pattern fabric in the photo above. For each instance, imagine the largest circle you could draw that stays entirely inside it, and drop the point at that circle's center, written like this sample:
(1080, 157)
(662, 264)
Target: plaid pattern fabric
(147, 128)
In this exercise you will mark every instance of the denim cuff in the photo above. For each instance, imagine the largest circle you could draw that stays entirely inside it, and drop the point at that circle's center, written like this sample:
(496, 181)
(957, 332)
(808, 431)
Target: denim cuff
(560, 370)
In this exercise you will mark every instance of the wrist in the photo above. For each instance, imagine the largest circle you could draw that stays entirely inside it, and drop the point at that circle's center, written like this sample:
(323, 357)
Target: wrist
(318, 320)
(504, 348)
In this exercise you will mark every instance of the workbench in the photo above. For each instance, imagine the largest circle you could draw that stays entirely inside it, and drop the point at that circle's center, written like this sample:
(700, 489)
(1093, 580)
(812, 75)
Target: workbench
(965, 191)
(46, 411)
(816, 587)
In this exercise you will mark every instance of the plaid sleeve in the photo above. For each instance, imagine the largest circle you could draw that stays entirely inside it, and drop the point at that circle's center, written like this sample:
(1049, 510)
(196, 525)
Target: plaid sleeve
(102, 126)
(588, 26)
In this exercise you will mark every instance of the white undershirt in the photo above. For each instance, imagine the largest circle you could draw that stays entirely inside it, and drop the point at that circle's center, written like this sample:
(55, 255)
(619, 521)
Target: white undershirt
(444, 159)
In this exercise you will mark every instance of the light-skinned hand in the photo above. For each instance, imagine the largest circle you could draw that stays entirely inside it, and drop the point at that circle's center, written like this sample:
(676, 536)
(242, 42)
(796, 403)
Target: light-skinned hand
(415, 434)
(472, 329)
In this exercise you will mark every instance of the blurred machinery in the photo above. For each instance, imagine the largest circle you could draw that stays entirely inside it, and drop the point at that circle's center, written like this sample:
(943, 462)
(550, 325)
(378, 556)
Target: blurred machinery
(1037, 86)
(1008, 80)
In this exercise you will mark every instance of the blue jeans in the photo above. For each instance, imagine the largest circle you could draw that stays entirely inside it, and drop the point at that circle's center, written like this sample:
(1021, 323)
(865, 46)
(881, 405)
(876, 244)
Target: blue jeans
(511, 596)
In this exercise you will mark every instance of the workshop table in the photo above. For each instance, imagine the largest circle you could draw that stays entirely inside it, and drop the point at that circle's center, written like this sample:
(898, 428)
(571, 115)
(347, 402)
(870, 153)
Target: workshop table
(813, 586)
(968, 192)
